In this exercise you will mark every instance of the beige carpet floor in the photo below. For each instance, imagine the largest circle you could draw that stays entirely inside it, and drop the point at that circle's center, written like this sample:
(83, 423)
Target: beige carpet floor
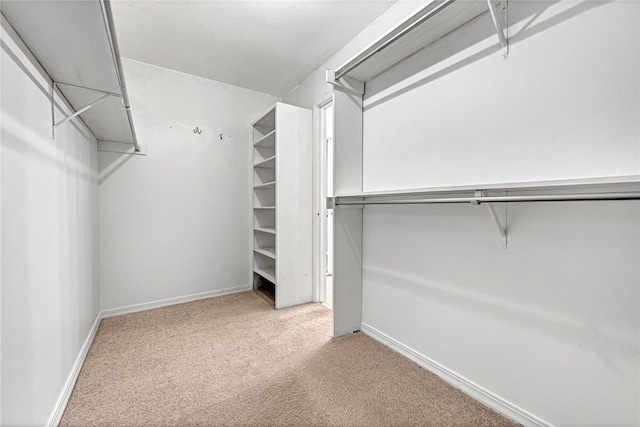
(234, 361)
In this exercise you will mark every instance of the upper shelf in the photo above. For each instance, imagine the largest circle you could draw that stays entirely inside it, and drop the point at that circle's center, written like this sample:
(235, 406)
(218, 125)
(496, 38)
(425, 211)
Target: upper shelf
(625, 182)
(75, 43)
(615, 188)
(428, 24)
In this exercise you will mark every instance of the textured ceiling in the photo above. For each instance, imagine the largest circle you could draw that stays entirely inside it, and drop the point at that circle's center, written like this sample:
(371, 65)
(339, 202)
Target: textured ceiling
(268, 46)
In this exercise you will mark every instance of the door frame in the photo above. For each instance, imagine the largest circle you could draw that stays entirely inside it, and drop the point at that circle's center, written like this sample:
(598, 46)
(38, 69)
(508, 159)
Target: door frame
(319, 241)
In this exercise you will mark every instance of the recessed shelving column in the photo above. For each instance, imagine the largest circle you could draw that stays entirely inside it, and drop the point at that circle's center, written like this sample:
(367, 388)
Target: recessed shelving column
(264, 196)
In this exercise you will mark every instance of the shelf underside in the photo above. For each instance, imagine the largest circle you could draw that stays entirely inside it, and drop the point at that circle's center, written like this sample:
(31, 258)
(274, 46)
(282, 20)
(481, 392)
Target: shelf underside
(70, 41)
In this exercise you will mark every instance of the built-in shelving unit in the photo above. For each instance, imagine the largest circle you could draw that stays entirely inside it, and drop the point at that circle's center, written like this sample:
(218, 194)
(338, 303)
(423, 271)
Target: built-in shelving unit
(264, 197)
(282, 204)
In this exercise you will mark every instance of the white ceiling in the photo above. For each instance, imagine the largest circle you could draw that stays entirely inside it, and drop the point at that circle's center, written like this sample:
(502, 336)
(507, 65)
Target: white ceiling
(268, 46)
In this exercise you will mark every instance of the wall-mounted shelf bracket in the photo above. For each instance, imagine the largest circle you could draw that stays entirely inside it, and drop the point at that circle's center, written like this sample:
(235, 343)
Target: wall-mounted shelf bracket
(345, 84)
(121, 148)
(55, 124)
(499, 16)
(502, 229)
(331, 203)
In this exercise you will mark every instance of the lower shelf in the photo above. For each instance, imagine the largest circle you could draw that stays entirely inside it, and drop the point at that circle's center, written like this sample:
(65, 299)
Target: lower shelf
(267, 273)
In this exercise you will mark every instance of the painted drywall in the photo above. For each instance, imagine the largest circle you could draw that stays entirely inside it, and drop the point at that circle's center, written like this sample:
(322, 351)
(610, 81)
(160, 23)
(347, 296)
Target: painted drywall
(176, 222)
(50, 251)
(551, 324)
(563, 105)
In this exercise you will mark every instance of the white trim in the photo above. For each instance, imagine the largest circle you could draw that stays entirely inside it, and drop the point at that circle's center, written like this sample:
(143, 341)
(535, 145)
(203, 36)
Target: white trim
(495, 402)
(319, 162)
(63, 399)
(171, 301)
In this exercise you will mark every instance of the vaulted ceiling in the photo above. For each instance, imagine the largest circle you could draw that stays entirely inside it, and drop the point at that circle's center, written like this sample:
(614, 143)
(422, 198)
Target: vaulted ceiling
(268, 46)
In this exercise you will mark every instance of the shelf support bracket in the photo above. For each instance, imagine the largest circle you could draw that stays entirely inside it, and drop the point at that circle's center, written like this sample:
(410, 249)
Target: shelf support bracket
(344, 83)
(121, 148)
(54, 125)
(496, 218)
(499, 16)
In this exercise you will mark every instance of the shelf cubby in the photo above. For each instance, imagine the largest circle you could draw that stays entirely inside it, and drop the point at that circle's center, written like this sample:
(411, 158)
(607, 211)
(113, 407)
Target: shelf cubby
(264, 218)
(268, 163)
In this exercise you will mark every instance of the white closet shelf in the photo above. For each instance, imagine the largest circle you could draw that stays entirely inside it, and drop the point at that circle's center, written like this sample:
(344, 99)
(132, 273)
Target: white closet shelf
(264, 208)
(268, 273)
(76, 44)
(269, 252)
(266, 185)
(266, 230)
(425, 26)
(267, 141)
(630, 182)
(621, 188)
(269, 163)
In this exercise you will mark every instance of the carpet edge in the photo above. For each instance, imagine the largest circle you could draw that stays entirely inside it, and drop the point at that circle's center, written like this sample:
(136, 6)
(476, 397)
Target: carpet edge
(488, 398)
(111, 312)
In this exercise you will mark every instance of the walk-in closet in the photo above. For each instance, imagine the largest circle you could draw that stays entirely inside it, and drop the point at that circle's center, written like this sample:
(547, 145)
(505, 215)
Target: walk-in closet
(316, 212)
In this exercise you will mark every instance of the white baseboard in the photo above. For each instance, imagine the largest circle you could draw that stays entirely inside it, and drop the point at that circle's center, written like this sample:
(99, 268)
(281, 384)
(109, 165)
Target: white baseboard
(506, 408)
(63, 399)
(171, 301)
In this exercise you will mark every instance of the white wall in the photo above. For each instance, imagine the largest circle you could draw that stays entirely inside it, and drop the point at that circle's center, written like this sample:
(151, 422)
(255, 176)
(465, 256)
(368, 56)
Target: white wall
(551, 324)
(176, 223)
(563, 105)
(49, 236)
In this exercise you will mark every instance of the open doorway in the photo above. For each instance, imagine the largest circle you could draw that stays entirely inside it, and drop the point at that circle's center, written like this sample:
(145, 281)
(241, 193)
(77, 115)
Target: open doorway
(323, 188)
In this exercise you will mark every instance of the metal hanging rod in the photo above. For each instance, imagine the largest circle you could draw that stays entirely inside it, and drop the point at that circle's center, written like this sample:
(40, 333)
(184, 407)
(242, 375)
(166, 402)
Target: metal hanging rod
(632, 195)
(115, 52)
(399, 32)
